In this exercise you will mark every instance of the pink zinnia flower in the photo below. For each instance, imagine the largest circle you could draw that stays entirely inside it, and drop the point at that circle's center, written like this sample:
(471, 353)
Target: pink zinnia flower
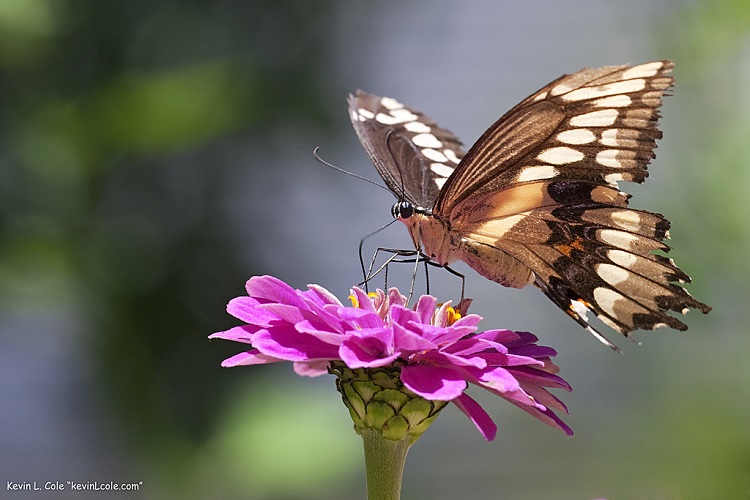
(429, 350)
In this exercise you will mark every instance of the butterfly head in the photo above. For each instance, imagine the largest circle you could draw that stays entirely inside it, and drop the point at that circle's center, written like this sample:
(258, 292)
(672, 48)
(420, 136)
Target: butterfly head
(402, 210)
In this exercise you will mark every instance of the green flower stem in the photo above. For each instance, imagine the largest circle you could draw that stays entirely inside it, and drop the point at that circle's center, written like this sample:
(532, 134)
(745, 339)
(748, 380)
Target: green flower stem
(384, 462)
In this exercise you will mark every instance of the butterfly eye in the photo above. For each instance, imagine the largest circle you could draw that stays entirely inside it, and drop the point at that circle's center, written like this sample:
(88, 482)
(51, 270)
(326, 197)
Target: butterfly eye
(402, 210)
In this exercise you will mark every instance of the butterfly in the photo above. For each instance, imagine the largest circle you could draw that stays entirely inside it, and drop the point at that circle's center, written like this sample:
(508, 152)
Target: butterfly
(536, 199)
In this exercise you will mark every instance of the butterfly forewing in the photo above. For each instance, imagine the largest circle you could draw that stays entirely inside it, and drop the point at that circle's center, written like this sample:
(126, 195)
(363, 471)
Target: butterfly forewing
(413, 155)
(597, 124)
(536, 200)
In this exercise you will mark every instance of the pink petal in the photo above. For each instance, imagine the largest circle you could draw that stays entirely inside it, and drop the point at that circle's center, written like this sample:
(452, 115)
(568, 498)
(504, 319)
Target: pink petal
(431, 382)
(444, 335)
(320, 296)
(267, 289)
(367, 351)
(287, 343)
(470, 320)
(395, 298)
(446, 359)
(360, 317)
(407, 342)
(534, 351)
(425, 308)
(505, 337)
(503, 359)
(498, 379)
(364, 300)
(476, 413)
(358, 356)
(252, 357)
(311, 368)
(243, 333)
(545, 398)
(547, 416)
(246, 309)
(319, 320)
(529, 375)
(405, 338)
(333, 338)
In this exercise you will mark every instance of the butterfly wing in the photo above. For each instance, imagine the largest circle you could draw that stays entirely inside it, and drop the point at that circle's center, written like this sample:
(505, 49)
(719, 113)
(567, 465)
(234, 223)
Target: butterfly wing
(536, 199)
(413, 155)
(597, 124)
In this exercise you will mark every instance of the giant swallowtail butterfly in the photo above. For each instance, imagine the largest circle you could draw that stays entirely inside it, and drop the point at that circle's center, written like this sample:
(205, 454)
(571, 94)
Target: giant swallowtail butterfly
(536, 199)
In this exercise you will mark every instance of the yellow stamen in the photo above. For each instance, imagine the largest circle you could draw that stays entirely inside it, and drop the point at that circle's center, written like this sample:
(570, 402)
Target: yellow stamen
(451, 315)
(354, 301)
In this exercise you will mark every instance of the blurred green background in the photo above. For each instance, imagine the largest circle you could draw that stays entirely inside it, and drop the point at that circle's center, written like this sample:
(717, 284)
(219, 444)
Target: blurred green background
(155, 154)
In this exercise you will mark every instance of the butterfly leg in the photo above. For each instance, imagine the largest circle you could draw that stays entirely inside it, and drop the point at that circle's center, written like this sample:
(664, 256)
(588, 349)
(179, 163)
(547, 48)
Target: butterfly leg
(395, 254)
(457, 274)
(415, 257)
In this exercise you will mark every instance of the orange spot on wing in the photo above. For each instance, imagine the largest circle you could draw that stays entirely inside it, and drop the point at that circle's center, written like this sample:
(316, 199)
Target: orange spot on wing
(567, 248)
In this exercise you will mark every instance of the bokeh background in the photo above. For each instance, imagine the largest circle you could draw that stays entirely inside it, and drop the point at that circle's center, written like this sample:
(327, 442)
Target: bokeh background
(156, 154)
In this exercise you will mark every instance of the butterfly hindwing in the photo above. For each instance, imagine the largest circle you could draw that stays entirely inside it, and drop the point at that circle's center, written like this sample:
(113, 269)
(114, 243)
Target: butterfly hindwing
(412, 154)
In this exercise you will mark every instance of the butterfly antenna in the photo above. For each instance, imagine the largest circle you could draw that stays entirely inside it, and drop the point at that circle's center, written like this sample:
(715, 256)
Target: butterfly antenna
(322, 161)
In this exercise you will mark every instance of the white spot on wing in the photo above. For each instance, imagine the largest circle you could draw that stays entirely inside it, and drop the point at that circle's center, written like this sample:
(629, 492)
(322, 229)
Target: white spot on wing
(615, 101)
(390, 103)
(612, 274)
(576, 136)
(560, 89)
(601, 118)
(441, 170)
(560, 155)
(426, 141)
(434, 155)
(612, 179)
(417, 127)
(496, 228)
(643, 70)
(365, 114)
(606, 299)
(440, 181)
(580, 309)
(622, 258)
(619, 239)
(608, 158)
(536, 173)
(605, 90)
(451, 155)
(396, 116)
(629, 220)
(609, 137)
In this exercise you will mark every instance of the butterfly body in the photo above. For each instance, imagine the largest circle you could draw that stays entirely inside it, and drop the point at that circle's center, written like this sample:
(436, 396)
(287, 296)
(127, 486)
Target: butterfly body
(536, 198)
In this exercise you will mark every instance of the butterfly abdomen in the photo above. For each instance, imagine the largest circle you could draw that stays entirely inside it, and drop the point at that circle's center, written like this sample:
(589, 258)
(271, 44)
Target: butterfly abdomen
(444, 245)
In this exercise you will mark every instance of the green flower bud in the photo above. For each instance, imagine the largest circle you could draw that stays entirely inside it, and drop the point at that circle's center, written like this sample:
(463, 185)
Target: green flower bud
(377, 400)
